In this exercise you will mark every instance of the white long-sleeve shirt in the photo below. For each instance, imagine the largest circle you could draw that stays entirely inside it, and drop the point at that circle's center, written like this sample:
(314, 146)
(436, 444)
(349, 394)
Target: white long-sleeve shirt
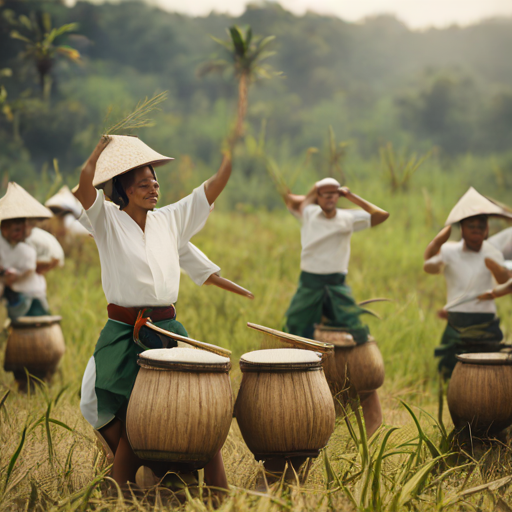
(142, 268)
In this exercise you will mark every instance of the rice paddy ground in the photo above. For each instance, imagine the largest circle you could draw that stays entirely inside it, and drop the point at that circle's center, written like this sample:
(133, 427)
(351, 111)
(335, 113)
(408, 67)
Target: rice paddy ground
(49, 459)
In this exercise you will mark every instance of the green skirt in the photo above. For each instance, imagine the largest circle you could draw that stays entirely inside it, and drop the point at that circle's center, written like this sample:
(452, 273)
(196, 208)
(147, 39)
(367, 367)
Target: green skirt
(111, 372)
(328, 296)
(467, 333)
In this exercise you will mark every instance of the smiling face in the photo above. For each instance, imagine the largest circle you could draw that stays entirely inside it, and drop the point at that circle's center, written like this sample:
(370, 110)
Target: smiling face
(474, 231)
(327, 198)
(144, 189)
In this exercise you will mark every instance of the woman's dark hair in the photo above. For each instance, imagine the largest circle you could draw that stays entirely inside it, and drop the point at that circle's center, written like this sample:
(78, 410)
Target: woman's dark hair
(121, 183)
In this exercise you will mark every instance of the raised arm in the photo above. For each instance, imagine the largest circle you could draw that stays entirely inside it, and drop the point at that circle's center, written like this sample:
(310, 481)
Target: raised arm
(378, 215)
(310, 198)
(433, 248)
(215, 185)
(293, 201)
(86, 193)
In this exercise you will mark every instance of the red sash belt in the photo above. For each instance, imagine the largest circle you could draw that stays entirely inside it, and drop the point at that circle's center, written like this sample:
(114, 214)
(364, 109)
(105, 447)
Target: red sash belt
(129, 315)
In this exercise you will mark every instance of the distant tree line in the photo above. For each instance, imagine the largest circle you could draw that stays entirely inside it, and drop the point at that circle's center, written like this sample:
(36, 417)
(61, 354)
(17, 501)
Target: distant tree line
(373, 82)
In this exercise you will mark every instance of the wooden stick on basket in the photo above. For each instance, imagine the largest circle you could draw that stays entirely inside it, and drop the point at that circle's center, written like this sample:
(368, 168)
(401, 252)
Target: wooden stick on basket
(296, 341)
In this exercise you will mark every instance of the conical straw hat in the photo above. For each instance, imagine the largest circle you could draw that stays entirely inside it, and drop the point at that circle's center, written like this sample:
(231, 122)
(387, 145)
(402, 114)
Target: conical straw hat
(18, 203)
(123, 154)
(64, 200)
(473, 203)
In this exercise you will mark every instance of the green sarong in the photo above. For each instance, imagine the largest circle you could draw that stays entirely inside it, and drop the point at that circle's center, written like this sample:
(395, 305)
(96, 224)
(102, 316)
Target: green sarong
(111, 372)
(325, 295)
(467, 333)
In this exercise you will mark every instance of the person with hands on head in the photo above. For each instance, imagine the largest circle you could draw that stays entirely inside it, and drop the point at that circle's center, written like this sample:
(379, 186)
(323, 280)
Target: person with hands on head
(322, 294)
(468, 267)
(139, 256)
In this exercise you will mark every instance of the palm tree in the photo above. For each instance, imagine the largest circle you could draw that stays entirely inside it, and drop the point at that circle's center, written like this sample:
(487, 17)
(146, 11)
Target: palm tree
(244, 58)
(40, 48)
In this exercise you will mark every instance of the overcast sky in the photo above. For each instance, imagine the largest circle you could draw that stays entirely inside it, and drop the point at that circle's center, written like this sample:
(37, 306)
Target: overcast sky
(416, 13)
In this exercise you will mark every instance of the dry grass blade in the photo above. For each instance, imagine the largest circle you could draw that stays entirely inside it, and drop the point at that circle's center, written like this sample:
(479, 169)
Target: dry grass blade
(4, 398)
(138, 118)
(491, 486)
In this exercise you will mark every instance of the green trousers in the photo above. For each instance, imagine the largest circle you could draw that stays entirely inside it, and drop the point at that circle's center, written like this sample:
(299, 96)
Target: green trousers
(328, 296)
(467, 333)
(111, 372)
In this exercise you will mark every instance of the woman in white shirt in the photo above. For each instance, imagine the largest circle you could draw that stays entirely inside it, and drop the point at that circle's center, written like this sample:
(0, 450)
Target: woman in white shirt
(139, 255)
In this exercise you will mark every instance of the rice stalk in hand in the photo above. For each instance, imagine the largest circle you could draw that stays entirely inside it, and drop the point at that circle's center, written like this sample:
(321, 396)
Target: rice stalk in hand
(138, 118)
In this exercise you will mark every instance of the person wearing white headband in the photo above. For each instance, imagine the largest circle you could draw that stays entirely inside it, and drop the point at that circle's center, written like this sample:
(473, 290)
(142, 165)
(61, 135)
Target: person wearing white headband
(139, 256)
(322, 294)
(468, 266)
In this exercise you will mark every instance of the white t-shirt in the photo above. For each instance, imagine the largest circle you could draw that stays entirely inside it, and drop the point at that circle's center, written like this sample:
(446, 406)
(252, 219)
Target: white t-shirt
(467, 276)
(196, 264)
(142, 268)
(326, 242)
(192, 260)
(22, 257)
(46, 245)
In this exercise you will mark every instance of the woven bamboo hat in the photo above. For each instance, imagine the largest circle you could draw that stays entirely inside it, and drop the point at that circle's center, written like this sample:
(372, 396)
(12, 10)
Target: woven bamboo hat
(64, 201)
(18, 204)
(123, 154)
(473, 203)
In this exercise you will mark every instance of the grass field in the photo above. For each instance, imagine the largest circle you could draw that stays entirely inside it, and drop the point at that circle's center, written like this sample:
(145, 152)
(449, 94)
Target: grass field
(407, 466)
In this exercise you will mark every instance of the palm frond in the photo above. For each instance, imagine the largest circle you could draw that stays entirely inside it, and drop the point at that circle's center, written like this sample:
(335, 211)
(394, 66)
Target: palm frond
(139, 117)
(226, 44)
(238, 41)
(16, 35)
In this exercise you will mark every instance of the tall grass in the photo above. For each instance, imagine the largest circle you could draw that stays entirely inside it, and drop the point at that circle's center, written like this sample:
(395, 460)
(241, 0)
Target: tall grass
(48, 456)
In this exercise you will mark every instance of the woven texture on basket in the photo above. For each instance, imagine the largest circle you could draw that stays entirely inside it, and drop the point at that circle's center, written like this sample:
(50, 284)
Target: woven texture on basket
(473, 203)
(123, 154)
(18, 203)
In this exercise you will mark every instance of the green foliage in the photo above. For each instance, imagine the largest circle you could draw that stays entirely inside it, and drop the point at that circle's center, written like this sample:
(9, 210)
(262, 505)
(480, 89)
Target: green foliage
(372, 82)
(39, 37)
(245, 55)
(399, 168)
